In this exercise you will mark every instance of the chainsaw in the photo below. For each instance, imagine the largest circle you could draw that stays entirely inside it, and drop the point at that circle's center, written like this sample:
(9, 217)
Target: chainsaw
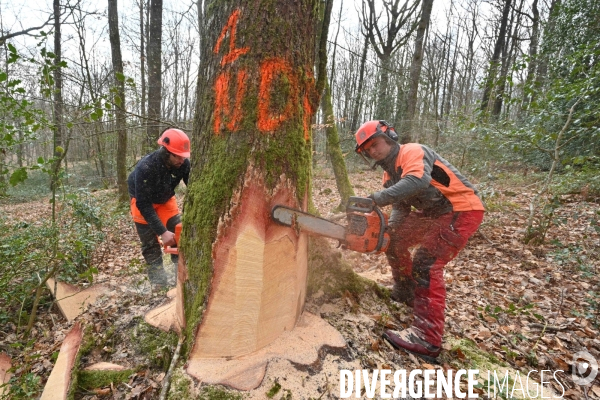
(174, 250)
(365, 232)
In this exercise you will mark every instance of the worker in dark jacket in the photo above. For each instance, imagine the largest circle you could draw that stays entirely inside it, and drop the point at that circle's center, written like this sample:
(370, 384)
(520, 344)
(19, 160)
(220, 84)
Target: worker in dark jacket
(434, 212)
(153, 206)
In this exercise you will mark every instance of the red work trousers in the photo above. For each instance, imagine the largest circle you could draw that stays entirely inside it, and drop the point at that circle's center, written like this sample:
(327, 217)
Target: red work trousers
(433, 242)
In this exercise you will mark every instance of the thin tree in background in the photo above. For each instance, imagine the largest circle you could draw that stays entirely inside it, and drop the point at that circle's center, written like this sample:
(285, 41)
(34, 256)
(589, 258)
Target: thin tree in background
(154, 72)
(359, 91)
(386, 39)
(119, 99)
(495, 61)
(142, 64)
(415, 72)
(58, 129)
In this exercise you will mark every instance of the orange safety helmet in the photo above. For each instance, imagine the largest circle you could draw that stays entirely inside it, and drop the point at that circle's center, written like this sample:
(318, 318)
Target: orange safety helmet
(176, 142)
(372, 129)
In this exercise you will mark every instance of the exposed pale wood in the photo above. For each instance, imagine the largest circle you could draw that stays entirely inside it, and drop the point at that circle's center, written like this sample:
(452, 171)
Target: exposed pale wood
(164, 317)
(182, 277)
(5, 364)
(72, 300)
(59, 381)
(104, 366)
(259, 281)
(170, 316)
(300, 345)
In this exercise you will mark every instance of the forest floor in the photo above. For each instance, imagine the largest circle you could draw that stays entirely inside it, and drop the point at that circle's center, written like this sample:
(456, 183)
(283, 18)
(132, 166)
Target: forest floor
(511, 308)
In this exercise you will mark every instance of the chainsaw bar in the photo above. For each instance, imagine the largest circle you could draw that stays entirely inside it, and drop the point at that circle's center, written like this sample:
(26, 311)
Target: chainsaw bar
(308, 223)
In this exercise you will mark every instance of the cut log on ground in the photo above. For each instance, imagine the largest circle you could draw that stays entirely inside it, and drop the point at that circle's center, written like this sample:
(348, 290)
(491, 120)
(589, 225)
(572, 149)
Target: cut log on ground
(73, 300)
(57, 387)
(5, 364)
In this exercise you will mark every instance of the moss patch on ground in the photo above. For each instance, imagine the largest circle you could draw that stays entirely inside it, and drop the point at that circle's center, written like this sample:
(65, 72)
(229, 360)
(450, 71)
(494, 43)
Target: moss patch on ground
(88, 380)
(154, 343)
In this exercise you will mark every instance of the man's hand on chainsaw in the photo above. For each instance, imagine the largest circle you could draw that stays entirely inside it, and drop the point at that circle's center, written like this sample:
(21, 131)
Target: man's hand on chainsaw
(168, 238)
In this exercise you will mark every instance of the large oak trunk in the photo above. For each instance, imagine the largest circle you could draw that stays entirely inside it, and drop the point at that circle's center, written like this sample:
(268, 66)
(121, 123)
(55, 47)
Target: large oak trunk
(243, 282)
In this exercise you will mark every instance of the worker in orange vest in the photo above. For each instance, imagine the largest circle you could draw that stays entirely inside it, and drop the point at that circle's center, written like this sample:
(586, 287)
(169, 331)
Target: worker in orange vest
(435, 210)
(153, 205)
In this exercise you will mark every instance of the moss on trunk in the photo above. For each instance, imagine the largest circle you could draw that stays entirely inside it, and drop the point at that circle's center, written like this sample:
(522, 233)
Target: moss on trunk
(335, 152)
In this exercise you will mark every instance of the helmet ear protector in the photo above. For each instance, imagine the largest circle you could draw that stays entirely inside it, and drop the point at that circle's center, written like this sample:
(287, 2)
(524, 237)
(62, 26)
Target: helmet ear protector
(371, 129)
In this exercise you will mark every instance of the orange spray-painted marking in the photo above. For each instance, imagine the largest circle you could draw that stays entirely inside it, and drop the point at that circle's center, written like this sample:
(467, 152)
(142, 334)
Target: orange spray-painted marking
(271, 68)
(222, 107)
(234, 53)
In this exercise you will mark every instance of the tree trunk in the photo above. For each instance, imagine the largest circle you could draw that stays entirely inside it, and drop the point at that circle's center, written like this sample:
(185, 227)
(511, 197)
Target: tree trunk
(58, 99)
(491, 77)
(335, 41)
(542, 70)
(154, 72)
(335, 152)
(244, 277)
(507, 56)
(383, 107)
(415, 71)
(532, 62)
(119, 99)
(142, 66)
(361, 79)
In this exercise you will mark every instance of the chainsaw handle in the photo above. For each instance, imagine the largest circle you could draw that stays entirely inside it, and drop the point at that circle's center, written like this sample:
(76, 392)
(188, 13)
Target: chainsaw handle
(174, 250)
(360, 204)
(382, 227)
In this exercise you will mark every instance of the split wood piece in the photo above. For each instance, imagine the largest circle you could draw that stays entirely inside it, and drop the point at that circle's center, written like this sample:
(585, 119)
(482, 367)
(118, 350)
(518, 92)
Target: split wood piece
(299, 346)
(57, 387)
(170, 316)
(164, 317)
(72, 300)
(104, 366)
(5, 364)
(258, 286)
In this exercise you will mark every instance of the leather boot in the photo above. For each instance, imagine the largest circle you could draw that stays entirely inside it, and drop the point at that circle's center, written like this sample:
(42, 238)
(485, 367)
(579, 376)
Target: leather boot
(157, 275)
(410, 340)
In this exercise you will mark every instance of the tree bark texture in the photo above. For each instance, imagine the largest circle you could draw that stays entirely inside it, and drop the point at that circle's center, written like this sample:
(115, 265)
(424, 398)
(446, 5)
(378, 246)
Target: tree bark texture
(117, 61)
(154, 72)
(415, 71)
(244, 277)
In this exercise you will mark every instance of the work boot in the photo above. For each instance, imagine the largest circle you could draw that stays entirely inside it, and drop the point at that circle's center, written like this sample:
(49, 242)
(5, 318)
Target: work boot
(404, 291)
(157, 275)
(409, 340)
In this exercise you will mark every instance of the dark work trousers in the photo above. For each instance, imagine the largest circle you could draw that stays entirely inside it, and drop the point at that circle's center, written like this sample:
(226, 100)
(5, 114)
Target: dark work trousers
(151, 248)
(433, 242)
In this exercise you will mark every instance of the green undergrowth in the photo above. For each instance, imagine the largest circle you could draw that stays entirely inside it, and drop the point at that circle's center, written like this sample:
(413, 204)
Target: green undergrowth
(154, 343)
(218, 393)
(182, 389)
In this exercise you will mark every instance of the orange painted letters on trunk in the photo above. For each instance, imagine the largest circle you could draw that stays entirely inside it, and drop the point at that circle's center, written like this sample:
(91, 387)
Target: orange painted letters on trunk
(269, 120)
(233, 52)
(222, 106)
(275, 72)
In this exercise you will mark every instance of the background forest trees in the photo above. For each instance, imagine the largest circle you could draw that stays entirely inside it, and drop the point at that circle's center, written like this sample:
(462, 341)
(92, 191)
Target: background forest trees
(488, 83)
